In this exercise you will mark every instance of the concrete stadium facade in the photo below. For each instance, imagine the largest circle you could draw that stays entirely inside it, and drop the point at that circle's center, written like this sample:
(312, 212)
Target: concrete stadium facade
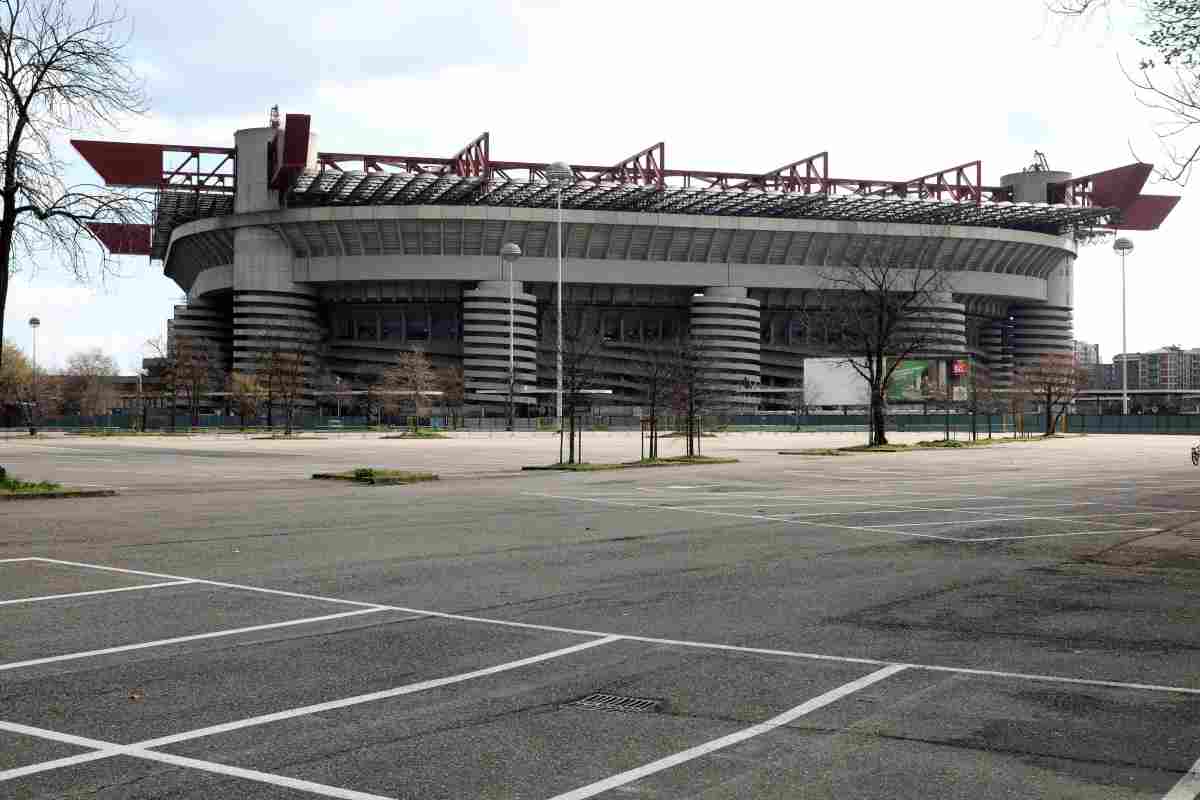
(352, 285)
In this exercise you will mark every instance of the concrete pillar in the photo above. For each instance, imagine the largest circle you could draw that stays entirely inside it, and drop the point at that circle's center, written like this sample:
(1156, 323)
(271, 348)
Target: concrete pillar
(270, 310)
(207, 324)
(725, 330)
(940, 327)
(1046, 328)
(485, 342)
(996, 354)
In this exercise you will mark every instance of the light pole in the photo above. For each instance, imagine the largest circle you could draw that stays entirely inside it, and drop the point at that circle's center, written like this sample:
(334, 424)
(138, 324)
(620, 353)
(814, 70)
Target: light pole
(509, 253)
(34, 323)
(559, 174)
(1123, 247)
(337, 393)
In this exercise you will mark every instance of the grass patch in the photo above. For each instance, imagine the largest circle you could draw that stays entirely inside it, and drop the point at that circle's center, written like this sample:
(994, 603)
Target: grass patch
(375, 476)
(424, 433)
(287, 437)
(674, 461)
(928, 444)
(14, 486)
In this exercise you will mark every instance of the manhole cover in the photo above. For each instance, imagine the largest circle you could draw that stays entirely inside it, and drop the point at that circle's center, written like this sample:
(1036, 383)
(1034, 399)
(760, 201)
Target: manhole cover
(618, 702)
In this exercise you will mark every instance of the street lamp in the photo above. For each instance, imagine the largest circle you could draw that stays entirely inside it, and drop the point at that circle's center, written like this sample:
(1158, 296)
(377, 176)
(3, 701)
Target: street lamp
(34, 323)
(509, 253)
(559, 174)
(1123, 247)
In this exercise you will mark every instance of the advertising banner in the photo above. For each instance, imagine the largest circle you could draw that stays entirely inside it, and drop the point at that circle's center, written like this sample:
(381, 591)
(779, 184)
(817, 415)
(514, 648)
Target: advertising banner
(912, 381)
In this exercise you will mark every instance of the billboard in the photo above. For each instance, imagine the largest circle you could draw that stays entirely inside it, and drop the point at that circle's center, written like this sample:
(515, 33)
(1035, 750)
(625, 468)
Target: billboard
(912, 381)
(833, 382)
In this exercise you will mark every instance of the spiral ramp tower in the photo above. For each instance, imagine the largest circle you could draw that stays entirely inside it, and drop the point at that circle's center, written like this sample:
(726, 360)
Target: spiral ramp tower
(486, 342)
(726, 334)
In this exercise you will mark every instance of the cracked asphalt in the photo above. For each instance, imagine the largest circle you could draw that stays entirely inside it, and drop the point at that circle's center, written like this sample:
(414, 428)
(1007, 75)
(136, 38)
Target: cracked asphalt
(429, 641)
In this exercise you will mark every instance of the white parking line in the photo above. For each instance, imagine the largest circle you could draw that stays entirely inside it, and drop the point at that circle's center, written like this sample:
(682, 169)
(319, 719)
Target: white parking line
(629, 776)
(385, 694)
(108, 750)
(1105, 532)
(765, 517)
(1152, 687)
(39, 598)
(15, 560)
(1188, 787)
(180, 639)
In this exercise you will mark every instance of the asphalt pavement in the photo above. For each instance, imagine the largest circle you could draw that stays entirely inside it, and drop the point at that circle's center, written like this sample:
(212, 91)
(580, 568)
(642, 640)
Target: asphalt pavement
(1015, 621)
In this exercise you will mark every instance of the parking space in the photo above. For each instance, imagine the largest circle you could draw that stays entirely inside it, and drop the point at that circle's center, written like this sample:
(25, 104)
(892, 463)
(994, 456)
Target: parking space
(498, 705)
(784, 627)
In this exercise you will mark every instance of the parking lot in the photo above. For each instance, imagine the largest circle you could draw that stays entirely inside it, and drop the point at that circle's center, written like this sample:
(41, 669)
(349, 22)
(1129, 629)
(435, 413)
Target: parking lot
(1017, 621)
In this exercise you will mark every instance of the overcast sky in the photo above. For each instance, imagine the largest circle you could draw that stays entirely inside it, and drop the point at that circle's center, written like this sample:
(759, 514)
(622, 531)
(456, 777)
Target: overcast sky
(891, 90)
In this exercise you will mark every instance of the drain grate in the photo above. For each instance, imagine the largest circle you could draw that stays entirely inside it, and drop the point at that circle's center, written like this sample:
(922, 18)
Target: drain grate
(617, 702)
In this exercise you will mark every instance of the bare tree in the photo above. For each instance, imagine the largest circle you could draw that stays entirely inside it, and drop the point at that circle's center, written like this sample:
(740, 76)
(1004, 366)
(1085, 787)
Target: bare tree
(582, 347)
(61, 72)
(452, 383)
(283, 372)
(693, 392)
(197, 365)
(162, 367)
(1167, 80)
(246, 394)
(871, 312)
(87, 385)
(414, 377)
(1054, 380)
(656, 369)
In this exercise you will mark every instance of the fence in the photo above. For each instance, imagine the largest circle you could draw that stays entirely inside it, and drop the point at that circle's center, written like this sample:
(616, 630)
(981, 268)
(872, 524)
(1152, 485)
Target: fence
(952, 425)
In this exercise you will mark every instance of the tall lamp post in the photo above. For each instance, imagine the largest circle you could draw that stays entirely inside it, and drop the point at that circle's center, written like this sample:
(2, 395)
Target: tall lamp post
(559, 175)
(509, 253)
(1123, 247)
(34, 323)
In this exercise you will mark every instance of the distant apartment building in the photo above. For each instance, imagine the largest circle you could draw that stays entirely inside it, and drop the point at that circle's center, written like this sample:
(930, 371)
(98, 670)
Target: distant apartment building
(1086, 354)
(1168, 368)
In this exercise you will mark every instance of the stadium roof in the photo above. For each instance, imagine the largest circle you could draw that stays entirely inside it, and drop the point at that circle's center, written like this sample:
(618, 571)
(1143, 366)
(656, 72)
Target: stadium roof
(199, 182)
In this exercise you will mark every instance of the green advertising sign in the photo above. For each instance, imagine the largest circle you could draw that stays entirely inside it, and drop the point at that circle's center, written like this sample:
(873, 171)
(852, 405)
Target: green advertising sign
(912, 382)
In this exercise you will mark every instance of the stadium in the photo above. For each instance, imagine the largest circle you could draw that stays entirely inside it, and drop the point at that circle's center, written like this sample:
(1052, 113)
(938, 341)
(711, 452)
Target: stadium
(352, 258)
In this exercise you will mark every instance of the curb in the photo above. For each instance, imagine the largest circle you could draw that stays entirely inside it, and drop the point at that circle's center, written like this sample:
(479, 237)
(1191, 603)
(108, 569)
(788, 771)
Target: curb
(59, 495)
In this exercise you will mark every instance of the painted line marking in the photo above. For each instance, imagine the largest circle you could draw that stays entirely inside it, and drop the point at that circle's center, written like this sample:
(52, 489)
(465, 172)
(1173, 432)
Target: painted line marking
(39, 598)
(644, 507)
(108, 750)
(223, 584)
(385, 694)
(1188, 787)
(180, 639)
(629, 776)
(15, 560)
(1058, 535)
(736, 648)
(864, 528)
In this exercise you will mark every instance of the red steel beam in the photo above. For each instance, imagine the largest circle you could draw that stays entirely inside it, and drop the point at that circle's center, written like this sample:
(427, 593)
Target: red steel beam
(122, 239)
(790, 178)
(473, 160)
(645, 167)
(963, 183)
(141, 165)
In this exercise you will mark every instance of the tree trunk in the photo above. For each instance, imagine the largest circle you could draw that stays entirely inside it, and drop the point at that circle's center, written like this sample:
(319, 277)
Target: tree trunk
(878, 420)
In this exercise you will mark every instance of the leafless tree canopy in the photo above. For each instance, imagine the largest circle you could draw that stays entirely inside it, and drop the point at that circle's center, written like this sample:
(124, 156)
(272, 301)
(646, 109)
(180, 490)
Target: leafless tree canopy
(1054, 381)
(1167, 79)
(414, 375)
(245, 394)
(870, 311)
(87, 383)
(62, 72)
(281, 372)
